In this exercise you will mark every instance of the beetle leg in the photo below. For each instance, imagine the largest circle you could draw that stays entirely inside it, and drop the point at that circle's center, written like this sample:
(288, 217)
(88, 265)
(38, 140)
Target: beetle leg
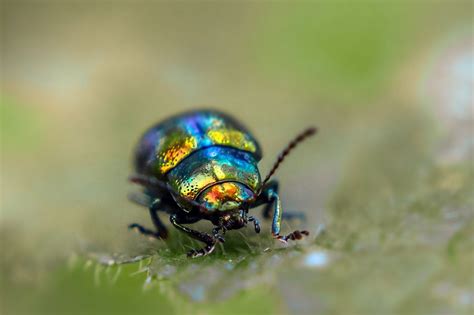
(273, 185)
(161, 231)
(256, 223)
(160, 227)
(142, 230)
(273, 198)
(293, 236)
(287, 215)
(216, 234)
(209, 240)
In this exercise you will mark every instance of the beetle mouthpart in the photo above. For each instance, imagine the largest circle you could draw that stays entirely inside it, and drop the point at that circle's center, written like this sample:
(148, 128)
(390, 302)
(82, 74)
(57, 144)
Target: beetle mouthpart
(233, 220)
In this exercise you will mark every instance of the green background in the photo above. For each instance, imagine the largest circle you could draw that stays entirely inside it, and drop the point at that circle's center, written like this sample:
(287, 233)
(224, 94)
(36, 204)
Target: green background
(387, 184)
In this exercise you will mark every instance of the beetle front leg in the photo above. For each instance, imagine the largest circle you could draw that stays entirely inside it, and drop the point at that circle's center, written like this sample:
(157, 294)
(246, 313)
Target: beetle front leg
(209, 240)
(217, 235)
(267, 211)
(273, 197)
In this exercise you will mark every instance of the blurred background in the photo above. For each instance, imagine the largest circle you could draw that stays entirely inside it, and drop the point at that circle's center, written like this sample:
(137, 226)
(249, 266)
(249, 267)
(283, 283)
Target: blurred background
(387, 184)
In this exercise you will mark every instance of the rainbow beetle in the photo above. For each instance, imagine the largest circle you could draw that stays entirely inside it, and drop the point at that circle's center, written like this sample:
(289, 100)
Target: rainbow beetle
(203, 165)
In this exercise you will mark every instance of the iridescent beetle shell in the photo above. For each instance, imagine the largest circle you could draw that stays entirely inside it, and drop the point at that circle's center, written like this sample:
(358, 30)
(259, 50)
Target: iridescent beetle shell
(203, 165)
(203, 155)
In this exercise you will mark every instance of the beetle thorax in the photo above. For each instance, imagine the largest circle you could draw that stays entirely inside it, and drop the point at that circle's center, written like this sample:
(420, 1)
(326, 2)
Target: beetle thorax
(219, 178)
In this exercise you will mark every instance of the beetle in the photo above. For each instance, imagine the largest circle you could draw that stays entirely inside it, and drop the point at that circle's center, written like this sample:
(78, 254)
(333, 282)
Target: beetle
(202, 165)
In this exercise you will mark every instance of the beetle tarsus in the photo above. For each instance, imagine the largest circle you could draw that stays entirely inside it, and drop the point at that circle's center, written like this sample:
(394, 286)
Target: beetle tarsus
(209, 240)
(201, 252)
(256, 224)
(293, 236)
(147, 232)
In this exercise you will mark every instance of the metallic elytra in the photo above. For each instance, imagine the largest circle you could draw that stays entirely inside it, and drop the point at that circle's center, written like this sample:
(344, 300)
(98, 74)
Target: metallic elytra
(166, 144)
(203, 165)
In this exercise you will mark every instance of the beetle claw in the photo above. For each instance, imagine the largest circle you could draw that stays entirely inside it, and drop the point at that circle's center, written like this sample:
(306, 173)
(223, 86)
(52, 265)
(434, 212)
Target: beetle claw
(201, 252)
(256, 224)
(257, 228)
(133, 227)
(220, 238)
(282, 240)
(293, 236)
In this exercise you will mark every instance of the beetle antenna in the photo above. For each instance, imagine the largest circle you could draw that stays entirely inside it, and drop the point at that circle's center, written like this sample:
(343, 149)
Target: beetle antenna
(297, 140)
